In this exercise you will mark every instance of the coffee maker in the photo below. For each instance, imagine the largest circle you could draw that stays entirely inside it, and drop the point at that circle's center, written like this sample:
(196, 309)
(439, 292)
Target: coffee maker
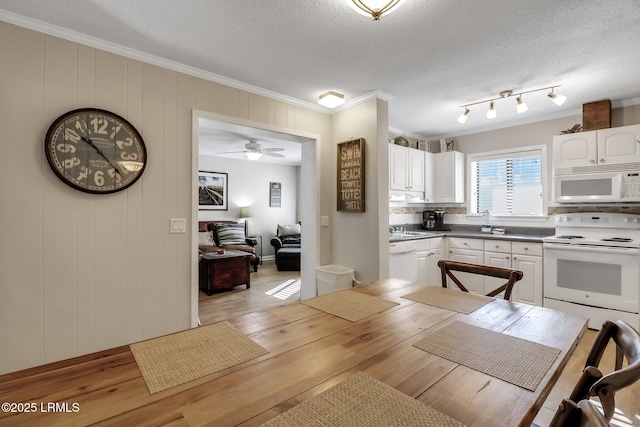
(433, 220)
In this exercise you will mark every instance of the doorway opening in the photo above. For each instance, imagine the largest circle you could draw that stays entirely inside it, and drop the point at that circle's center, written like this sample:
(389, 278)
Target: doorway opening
(235, 133)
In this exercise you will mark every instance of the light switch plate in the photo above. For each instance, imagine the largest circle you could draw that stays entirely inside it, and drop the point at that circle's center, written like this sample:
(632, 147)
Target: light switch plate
(178, 225)
(324, 221)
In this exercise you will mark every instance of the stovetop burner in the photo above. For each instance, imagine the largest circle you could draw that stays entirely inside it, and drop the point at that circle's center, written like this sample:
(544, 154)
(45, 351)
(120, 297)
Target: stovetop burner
(618, 239)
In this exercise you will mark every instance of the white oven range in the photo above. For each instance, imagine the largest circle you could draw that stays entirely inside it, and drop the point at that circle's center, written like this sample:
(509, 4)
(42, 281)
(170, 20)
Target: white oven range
(592, 267)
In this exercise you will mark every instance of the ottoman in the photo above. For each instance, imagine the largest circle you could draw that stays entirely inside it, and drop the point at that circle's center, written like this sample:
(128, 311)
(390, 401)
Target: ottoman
(288, 259)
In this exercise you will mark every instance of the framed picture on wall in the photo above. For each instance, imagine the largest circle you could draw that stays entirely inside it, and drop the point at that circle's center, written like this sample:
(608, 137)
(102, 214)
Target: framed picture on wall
(212, 191)
(275, 194)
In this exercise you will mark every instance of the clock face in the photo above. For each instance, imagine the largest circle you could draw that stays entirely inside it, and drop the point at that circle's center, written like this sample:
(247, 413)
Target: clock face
(95, 151)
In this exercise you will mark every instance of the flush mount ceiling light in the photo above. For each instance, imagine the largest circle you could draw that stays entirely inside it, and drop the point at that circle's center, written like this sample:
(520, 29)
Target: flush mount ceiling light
(331, 99)
(374, 8)
(521, 107)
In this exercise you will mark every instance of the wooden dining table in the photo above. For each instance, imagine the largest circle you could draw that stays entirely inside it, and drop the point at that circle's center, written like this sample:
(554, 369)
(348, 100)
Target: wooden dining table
(309, 351)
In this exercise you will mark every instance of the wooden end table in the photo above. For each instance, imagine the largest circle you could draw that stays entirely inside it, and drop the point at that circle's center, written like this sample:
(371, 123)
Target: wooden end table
(225, 270)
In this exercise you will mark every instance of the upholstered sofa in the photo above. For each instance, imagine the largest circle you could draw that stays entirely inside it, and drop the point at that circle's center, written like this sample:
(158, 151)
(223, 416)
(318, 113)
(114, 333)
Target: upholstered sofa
(210, 241)
(287, 245)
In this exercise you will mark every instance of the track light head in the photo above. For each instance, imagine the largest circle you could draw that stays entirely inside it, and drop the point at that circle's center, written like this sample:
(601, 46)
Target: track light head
(521, 107)
(464, 116)
(558, 99)
(491, 112)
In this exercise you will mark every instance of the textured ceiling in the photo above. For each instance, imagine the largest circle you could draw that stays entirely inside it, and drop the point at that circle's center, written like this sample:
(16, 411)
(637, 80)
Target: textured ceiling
(429, 56)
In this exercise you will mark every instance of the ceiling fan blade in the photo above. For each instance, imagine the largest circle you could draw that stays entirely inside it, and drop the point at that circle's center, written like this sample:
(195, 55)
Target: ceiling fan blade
(232, 152)
(272, 149)
(268, 153)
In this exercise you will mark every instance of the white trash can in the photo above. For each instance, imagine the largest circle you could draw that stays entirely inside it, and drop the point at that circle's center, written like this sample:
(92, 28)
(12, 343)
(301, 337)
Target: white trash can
(331, 278)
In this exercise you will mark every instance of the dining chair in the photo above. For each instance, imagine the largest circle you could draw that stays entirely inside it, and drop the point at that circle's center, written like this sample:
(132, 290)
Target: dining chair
(447, 267)
(594, 383)
(581, 414)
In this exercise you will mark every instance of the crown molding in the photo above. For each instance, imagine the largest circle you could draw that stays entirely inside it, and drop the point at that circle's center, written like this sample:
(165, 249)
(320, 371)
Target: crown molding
(76, 37)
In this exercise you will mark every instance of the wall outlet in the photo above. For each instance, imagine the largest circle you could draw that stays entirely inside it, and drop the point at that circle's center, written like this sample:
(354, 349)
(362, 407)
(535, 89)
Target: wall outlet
(324, 221)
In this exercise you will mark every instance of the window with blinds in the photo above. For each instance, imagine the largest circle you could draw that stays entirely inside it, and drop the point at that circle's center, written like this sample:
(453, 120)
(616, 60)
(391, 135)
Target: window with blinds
(507, 183)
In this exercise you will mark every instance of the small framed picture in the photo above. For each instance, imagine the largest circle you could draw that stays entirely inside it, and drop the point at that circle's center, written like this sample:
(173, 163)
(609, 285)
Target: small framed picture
(212, 191)
(275, 194)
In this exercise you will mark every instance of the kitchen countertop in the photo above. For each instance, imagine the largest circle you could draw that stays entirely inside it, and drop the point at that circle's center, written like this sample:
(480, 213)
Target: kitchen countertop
(521, 234)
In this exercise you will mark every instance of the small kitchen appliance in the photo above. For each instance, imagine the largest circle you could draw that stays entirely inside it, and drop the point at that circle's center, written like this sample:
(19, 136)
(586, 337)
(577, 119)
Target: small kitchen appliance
(592, 267)
(433, 220)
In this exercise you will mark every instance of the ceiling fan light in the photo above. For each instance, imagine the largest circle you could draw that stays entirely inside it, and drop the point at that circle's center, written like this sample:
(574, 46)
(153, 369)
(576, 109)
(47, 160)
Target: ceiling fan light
(491, 112)
(331, 99)
(464, 116)
(253, 155)
(521, 107)
(374, 8)
(558, 99)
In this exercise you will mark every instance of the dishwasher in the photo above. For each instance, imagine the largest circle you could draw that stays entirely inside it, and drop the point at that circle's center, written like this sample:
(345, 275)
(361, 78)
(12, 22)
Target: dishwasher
(403, 260)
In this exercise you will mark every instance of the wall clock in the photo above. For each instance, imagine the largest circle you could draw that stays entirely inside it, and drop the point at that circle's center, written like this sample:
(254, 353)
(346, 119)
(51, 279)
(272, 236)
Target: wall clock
(95, 151)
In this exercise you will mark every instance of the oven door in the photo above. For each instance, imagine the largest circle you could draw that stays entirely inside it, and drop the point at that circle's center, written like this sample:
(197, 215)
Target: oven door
(593, 275)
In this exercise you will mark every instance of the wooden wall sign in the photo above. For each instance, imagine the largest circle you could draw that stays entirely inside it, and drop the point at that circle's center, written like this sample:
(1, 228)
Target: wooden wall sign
(351, 176)
(596, 115)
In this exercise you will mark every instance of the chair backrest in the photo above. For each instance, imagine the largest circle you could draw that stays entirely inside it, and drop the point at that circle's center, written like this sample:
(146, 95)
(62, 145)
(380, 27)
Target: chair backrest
(593, 382)
(512, 276)
(581, 414)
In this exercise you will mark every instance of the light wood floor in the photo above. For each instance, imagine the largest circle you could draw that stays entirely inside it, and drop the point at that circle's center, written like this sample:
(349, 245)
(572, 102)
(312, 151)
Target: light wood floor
(270, 287)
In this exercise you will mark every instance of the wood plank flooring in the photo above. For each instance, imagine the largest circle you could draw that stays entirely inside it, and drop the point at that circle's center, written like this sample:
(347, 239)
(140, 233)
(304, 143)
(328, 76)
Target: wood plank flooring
(270, 288)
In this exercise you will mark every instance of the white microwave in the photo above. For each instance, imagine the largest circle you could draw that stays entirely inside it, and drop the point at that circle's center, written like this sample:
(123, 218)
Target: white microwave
(623, 186)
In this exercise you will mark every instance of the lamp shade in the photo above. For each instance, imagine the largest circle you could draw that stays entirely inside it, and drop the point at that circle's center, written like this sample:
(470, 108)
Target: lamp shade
(246, 212)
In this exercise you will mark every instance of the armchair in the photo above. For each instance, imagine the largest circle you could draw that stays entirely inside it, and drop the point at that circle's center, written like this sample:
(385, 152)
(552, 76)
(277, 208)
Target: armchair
(287, 245)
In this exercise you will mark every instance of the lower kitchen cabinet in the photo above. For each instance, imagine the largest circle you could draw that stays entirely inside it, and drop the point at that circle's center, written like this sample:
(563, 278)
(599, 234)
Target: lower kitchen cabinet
(429, 253)
(527, 257)
(523, 256)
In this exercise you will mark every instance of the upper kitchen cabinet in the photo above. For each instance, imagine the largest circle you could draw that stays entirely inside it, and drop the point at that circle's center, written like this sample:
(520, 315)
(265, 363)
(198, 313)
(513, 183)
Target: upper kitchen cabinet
(406, 169)
(619, 145)
(448, 177)
(605, 146)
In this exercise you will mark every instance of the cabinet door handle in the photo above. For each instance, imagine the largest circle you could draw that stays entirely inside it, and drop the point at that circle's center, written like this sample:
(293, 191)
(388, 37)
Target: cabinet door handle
(515, 258)
(592, 161)
(601, 160)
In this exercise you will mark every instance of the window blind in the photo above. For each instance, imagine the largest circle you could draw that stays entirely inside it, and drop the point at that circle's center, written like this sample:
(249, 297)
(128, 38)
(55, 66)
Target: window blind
(507, 185)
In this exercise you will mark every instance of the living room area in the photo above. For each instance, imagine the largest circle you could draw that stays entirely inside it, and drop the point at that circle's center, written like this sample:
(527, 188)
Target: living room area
(262, 197)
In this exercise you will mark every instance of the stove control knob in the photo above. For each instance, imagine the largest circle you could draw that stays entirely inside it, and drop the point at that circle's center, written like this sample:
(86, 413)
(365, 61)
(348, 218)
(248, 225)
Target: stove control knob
(568, 219)
(625, 219)
(635, 220)
(560, 218)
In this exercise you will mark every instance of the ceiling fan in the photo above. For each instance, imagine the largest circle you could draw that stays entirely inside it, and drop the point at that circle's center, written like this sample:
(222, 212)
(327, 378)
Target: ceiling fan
(253, 150)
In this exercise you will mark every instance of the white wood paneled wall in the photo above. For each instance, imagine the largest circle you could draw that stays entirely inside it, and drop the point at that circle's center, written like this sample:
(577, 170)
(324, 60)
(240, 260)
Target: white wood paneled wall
(82, 272)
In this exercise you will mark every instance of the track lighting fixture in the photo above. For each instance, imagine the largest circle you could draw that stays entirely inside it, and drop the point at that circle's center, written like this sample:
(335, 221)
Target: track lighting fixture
(521, 107)
(558, 99)
(463, 117)
(491, 113)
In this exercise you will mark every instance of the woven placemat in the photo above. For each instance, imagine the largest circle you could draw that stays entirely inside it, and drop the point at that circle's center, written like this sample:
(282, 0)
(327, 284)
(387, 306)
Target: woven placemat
(175, 359)
(515, 360)
(362, 401)
(349, 305)
(462, 302)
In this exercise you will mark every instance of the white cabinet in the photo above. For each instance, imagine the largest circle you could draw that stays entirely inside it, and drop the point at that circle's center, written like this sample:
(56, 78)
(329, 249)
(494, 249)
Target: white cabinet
(619, 145)
(469, 251)
(406, 169)
(523, 256)
(448, 177)
(429, 253)
(527, 257)
(605, 146)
